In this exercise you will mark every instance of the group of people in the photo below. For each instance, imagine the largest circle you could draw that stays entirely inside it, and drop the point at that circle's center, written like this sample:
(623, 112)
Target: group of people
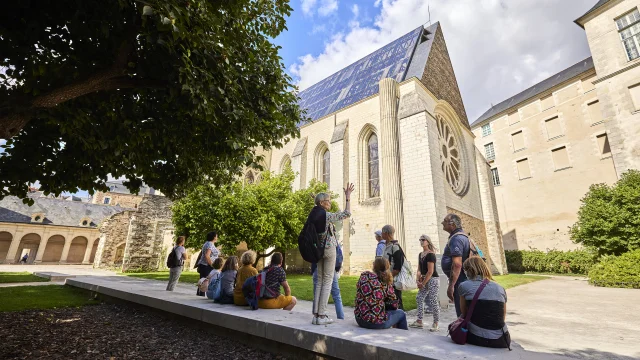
(378, 303)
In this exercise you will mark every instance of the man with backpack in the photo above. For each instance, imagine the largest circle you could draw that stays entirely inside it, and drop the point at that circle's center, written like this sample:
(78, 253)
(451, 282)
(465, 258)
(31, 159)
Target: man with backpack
(393, 252)
(455, 253)
(175, 261)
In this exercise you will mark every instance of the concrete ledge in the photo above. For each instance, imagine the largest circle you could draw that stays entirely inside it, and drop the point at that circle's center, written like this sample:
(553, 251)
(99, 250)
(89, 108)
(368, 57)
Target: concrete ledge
(53, 276)
(343, 339)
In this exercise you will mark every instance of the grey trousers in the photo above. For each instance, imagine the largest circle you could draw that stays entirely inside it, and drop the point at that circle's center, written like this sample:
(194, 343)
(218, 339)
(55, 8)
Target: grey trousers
(174, 275)
(326, 270)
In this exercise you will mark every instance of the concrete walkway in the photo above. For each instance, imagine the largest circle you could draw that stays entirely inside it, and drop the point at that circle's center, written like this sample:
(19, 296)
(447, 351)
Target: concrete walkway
(343, 339)
(41, 283)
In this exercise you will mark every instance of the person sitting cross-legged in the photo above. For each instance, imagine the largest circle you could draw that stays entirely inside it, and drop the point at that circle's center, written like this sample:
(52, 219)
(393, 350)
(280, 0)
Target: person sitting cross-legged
(246, 271)
(228, 280)
(376, 303)
(275, 278)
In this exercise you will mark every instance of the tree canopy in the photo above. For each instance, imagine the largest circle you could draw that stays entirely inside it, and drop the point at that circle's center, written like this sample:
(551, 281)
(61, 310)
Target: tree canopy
(609, 217)
(174, 92)
(263, 215)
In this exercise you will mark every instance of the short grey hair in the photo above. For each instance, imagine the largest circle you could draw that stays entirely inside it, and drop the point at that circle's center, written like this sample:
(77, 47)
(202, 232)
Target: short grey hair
(388, 229)
(322, 197)
(455, 219)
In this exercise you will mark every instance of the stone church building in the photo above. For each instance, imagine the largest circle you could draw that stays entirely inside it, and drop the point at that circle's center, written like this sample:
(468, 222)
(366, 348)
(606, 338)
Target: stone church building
(394, 124)
(549, 143)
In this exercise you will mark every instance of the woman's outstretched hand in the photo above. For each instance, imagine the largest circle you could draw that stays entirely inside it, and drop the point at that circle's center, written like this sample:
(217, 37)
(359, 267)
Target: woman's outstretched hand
(348, 190)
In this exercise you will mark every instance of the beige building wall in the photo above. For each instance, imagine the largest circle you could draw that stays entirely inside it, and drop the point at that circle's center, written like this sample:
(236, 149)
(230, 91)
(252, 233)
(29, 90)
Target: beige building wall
(548, 151)
(617, 83)
(47, 244)
(128, 201)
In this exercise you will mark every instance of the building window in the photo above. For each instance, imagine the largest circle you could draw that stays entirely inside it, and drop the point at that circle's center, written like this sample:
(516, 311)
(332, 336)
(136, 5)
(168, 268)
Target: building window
(489, 152)
(518, 141)
(326, 167)
(486, 129)
(524, 171)
(629, 28)
(372, 161)
(495, 176)
(554, 129)
(603, 144)
(106, 200)
(285, 164)
(594, 112)
(560, 158)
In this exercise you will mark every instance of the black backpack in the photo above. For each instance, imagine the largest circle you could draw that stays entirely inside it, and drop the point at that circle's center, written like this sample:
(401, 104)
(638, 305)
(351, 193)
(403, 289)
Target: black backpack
(309, 244)
(172, 259)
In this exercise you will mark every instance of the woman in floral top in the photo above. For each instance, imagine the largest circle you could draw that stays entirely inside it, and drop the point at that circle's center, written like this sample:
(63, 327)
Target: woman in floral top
(376, 302)
(323, 219)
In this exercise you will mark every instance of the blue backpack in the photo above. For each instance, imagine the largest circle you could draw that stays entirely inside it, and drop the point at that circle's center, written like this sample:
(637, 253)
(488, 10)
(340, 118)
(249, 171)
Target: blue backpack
(214, 290)
(255, 288)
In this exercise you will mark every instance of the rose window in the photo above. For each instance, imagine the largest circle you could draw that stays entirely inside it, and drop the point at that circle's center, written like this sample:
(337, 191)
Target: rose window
(450, 157)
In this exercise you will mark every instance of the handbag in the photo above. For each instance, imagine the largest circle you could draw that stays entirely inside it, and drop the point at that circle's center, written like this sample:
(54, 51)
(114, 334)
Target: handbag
(458, 329)
(406, 279)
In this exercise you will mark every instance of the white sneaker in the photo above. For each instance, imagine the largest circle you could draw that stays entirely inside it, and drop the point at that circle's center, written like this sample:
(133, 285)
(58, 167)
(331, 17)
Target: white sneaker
(324, 320)
(315, 320)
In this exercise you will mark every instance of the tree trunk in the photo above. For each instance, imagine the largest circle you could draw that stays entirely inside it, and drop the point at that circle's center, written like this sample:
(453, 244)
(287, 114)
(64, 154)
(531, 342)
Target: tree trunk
(260, 256)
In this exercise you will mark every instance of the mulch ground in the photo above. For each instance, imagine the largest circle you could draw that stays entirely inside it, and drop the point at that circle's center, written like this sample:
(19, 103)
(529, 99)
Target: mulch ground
(109, 331)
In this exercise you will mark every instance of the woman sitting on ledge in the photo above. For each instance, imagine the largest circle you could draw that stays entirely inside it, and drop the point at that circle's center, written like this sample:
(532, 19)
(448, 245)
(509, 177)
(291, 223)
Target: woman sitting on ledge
(376, 302)
(228, 280)
(246, 271)
(487, 326)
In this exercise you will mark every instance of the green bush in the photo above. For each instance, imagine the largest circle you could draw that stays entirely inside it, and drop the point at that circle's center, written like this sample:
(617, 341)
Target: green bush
(617, 271)
(553, 261)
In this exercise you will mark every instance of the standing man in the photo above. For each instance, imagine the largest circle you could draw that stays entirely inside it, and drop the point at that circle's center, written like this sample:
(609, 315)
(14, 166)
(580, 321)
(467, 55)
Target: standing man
(381, 243)
(175, 271)
(455, 253)
(393, 252)
(24, 258)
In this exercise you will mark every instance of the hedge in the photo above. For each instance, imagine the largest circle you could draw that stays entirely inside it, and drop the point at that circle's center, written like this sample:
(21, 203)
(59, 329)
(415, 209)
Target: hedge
(617, 271)
(553, 261)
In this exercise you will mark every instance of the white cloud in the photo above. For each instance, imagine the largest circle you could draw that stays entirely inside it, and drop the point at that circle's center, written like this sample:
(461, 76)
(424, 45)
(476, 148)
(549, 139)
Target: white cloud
(355, 10)
(512, 45)
(323, 7)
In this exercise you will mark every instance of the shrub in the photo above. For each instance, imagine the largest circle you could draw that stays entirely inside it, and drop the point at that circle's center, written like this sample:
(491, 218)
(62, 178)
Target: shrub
(617, 271)
(609, 217)
(553, 261)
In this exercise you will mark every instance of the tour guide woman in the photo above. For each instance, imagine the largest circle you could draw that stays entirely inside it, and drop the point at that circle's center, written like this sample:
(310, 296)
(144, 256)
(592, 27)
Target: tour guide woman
(323, 221)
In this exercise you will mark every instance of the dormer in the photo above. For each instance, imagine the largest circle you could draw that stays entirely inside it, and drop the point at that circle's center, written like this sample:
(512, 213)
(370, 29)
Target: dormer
(37, 217)
(85, 222)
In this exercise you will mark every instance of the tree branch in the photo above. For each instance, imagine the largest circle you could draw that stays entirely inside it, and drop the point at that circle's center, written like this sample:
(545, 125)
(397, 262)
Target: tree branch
(260, 256)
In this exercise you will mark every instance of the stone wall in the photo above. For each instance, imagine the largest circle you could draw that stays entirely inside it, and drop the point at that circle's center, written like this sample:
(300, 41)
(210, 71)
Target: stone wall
(145, 240)
(128, 201)
(440, 78)
(113, 232)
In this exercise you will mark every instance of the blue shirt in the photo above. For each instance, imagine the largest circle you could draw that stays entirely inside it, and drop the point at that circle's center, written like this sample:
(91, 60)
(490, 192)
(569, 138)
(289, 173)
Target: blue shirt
(380, 248)
(457, 245)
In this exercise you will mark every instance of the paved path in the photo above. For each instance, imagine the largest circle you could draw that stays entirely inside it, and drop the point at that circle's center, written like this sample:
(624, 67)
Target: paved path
(32, 283)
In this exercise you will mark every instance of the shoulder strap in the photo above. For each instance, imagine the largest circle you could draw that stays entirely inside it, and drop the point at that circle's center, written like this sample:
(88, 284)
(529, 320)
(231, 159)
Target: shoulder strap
(475, 300)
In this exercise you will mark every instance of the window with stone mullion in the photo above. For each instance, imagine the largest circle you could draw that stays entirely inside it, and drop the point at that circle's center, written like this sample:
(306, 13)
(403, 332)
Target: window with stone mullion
(326, 167)
(374, 177)
(629, 29)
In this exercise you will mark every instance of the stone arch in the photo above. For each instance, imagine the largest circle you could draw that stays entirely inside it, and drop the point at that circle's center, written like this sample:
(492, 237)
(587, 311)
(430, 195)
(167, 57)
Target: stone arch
(53, 250)
(284, 163)
(29, 243)
(77, 249)
(118, 255)
(94, 249)
(5, 243)
(321, 163)
(454, 158)
(364, 167)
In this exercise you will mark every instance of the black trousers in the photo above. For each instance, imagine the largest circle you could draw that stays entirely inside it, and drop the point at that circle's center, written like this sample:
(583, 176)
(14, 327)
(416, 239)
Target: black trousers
(399, 296)
(203, 270)
(502, 342)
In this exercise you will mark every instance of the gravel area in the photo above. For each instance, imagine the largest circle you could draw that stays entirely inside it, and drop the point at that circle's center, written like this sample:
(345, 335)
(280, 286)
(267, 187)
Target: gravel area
(112, 332)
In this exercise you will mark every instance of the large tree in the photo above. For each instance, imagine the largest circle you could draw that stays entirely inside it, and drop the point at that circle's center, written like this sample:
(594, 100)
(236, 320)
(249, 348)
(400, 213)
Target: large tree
(267, 214)
(175, 92)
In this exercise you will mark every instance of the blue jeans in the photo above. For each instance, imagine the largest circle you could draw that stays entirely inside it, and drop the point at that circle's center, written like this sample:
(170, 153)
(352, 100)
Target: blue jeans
(394, 317)
(335, 293)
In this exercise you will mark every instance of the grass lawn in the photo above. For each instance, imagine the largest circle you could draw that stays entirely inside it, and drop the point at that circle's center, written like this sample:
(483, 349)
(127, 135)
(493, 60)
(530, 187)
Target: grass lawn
(42, 297)
(18, 277)
(302, 285)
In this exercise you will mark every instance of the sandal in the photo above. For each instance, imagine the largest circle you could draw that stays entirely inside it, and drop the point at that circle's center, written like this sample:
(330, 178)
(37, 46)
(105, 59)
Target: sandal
(417, 325)
(434, 327)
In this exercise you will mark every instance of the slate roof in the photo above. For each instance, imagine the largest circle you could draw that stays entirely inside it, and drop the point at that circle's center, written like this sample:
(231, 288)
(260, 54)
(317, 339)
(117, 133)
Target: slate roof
(537, 89)
(57, 212)
(594, 8)
(401, 59)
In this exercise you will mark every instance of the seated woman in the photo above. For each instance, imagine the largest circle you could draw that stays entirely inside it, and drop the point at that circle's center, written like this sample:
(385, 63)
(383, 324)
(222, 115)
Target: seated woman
(212, 278)
(376, 303)
(487, 325)
(246, 271)
(275, 278)
(228, 280)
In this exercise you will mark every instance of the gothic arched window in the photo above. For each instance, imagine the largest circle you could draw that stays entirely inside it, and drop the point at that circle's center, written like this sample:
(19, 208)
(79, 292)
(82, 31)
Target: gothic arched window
(326, 167)
(373, 166)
